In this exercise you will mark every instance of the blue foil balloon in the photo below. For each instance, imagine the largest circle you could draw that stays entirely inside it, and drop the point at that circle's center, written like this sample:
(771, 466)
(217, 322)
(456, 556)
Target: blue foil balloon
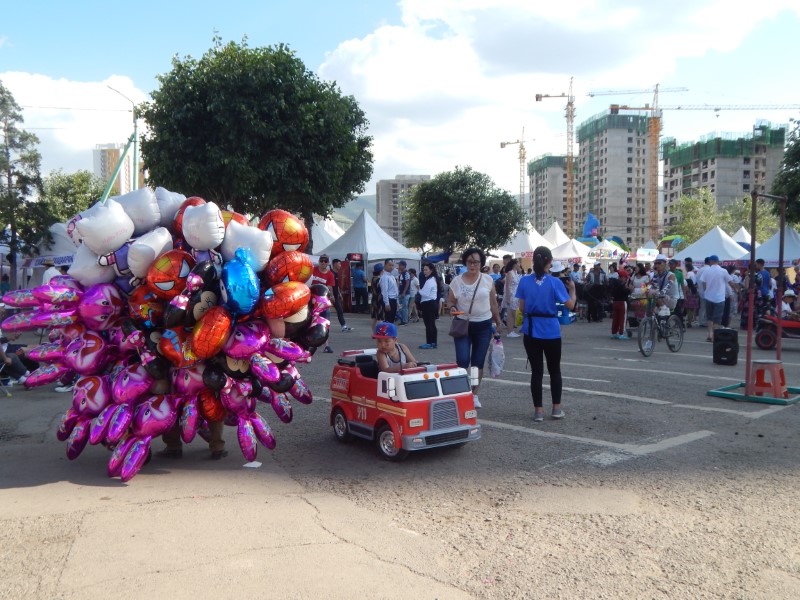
(240, 284)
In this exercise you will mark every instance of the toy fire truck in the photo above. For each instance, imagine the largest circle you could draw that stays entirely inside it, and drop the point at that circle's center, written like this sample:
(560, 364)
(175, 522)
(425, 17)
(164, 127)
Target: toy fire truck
(422, 407)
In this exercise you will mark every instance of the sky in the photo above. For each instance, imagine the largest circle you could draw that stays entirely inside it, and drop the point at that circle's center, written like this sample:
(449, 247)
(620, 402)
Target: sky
(442, 82)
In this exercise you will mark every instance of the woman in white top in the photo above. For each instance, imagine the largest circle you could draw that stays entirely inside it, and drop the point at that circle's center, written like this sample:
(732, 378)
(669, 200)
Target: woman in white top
(639, 280)
(510, 301)
(413, 290)
(476, 289)
(429, 304)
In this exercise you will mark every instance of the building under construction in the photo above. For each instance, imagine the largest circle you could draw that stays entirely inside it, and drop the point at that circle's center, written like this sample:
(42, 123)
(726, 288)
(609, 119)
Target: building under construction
(547, 176)
(616, 175)
(729, 166)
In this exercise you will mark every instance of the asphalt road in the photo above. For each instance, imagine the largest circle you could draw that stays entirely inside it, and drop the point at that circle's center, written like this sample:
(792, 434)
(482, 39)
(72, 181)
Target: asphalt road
(649, 488)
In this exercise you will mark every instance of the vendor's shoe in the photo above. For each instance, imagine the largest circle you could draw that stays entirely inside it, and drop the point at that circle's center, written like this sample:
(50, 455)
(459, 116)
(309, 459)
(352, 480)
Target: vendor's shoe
(170, 452)
(328, 350)
(219, 454)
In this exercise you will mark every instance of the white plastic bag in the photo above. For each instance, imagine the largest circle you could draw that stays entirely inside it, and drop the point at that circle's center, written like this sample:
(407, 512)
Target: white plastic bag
(497, 357)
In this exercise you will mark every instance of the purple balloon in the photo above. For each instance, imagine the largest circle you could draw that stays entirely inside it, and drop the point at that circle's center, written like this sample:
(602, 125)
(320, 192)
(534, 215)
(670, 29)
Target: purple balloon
(262, 431)
(77, 439)
(247, 439)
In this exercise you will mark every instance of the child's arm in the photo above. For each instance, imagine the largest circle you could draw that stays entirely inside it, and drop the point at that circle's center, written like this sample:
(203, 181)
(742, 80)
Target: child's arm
(410, 360)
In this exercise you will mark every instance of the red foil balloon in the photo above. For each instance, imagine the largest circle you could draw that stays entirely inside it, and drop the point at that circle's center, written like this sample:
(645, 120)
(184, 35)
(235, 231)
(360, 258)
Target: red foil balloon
(166, 277)
(146, 307)
(210, 406)
(211, 332)
(229, 215)
(284, 299)
(292, 265)
(288, 232)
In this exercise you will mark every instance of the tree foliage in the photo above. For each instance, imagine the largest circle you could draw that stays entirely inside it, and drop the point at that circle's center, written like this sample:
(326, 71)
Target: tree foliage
(787, 182)
(698, 213)
(461, 208)
(253, 129)
(20, 179)
(67, 194)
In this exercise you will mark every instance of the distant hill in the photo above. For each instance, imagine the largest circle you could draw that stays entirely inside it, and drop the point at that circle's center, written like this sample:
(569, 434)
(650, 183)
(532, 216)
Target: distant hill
(345, 216)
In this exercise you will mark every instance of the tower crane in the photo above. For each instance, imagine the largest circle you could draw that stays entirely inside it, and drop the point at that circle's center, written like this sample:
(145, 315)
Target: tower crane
(654, 134)
(570, 115)
(522, 156)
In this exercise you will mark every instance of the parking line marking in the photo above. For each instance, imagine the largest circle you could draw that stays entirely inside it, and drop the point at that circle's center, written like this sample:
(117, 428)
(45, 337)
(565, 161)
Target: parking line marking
(634, 449)
(742, 413)
(562, 377)
(582, 391)
(609, 367)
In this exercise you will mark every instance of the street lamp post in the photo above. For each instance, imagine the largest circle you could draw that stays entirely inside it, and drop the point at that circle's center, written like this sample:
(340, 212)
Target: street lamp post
(135, 138)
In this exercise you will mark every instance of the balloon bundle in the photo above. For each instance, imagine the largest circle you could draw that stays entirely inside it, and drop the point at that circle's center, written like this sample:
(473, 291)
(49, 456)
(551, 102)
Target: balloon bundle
(174, 314)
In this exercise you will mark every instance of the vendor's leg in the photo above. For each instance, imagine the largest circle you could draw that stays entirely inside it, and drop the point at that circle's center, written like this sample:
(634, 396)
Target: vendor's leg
(215, 442)
(172, 441)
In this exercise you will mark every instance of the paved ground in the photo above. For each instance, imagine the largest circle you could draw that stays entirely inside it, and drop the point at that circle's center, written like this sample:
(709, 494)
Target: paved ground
(648, 489)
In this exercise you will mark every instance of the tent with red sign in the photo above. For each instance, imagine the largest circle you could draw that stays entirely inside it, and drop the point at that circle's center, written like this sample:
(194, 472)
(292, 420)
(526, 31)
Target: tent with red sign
(571, 251)
(769, 250)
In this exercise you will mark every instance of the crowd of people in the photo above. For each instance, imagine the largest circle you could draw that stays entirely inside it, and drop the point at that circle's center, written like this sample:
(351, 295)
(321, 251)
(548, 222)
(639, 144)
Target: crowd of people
(504, 298)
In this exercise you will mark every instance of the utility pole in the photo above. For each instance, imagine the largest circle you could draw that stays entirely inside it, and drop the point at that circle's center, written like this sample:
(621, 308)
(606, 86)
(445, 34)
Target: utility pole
(135, 138)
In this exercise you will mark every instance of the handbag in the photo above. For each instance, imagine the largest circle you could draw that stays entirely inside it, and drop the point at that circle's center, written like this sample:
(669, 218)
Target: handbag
(460, 327)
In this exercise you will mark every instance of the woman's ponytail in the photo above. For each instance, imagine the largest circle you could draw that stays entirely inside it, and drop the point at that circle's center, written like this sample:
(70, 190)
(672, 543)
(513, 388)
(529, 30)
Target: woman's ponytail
(541, 258)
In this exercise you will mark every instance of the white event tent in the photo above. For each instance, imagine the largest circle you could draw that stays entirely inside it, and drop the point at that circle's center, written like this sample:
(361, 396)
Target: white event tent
(715, 242)
(570, 251)
(324, 233)
(769, 249)
(555, 235)
(365, 237)
(524, 242)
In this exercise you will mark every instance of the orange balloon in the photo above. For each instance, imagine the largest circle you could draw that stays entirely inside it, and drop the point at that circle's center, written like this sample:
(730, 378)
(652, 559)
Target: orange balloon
(210, 406)
(286, 299)
(292, 265)
(211, 332)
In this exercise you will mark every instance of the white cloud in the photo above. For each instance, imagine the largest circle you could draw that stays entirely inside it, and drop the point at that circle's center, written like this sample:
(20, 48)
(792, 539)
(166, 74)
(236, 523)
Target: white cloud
(71, 117)
(460, 76)
(456, 77)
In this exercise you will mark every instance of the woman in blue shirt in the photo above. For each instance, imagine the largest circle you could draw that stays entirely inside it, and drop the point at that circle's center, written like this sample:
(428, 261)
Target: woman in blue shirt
(538, 295)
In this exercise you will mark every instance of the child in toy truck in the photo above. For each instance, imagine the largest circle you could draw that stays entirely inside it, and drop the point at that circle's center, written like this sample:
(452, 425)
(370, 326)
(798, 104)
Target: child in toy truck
(392, 355)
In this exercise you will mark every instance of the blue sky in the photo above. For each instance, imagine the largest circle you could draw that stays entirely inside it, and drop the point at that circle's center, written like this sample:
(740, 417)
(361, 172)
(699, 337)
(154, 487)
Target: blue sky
(443, 82)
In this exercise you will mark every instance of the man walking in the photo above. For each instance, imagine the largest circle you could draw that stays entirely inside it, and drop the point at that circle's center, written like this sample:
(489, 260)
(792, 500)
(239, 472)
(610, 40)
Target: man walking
(359, 279)
(336, 265)
(389, 291)
(404, 292)
(714, 280)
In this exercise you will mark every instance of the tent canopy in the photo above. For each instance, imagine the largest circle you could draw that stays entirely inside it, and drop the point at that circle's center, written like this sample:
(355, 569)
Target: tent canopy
(324, 233)
(769, 249)
(365, 237)
(607, 251)
(742, 235)
(555, 235)
(524, 241)
(571, 250)
(716, 242)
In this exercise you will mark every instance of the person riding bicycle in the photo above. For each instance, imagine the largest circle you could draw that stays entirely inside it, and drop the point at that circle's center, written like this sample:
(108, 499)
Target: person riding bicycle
(663, 286)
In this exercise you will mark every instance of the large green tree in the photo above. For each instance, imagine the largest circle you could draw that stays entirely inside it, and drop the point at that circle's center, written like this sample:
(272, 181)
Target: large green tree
(253, 129)
(697, 213)
(20, 179)
(787, 182)
(67, 194)
(461, 208)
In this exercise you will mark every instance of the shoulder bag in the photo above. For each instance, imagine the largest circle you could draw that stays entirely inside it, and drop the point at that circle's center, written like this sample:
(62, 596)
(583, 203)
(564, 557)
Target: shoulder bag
(460, 327)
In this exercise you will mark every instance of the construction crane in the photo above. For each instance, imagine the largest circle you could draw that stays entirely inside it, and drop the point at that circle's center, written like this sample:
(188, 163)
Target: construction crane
(654, 135)
(522, 156)
(569, 225)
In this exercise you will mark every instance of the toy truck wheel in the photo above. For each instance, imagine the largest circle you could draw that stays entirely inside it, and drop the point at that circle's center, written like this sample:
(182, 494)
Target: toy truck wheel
(340, 429)
(384, 440)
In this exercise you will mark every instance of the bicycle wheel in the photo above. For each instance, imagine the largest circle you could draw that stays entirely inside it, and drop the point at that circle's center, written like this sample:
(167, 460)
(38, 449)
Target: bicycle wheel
(674, 333)
(647, 335)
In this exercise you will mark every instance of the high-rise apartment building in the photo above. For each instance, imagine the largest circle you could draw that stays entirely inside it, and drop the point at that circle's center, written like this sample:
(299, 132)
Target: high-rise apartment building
(390, 198)
(547, 177)
(613, 172)
(729, 166)
(105, 159)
